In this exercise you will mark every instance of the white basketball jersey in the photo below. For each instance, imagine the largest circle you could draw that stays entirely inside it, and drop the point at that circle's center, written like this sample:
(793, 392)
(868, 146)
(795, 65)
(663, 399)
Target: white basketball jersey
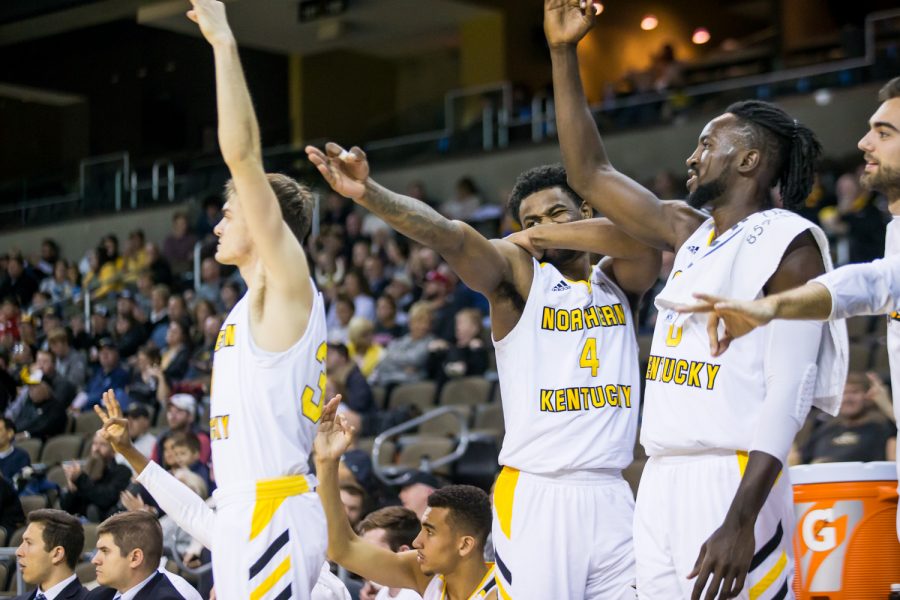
(265, 405)
(892, 248)
(569, 377)
(437, 591)
(692, 401)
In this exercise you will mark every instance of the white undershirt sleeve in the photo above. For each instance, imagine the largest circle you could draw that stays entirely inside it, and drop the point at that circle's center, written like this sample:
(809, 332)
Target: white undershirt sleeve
(792, 350)
(185, 507)
(863, 289)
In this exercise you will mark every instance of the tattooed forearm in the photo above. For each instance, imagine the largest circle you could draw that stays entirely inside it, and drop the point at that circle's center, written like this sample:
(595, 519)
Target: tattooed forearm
(412, 218)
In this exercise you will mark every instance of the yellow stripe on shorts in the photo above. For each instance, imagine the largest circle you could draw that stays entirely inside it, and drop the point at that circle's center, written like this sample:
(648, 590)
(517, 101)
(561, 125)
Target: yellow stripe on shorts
(269, 582)
(771, 577)
(504, 491)
(270, 493)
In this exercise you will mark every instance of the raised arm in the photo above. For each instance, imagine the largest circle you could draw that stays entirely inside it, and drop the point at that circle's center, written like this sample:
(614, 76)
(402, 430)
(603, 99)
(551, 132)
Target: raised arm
(279, 251)
(482, 264)
(635, 266)
(344, 546)
(627, 203)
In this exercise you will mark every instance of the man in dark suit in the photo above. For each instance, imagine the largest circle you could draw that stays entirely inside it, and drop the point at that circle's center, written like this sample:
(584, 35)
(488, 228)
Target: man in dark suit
(50, 548)
(129, 548)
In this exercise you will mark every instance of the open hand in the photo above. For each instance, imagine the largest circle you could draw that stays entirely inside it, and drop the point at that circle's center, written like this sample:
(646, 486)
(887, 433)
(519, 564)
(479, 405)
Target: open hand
(346, 172)
(723, 563)
(210, 16)
(568, 21)
(115, 426)
(739, 316)
(334, 435)
(132, 502)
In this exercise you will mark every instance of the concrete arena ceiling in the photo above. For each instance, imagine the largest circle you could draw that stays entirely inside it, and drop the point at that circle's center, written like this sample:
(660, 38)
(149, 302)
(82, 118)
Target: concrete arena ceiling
(381, 27)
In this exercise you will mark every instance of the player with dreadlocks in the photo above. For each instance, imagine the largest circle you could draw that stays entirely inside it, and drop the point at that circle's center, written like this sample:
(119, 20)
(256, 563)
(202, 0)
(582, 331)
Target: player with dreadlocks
(713, 517)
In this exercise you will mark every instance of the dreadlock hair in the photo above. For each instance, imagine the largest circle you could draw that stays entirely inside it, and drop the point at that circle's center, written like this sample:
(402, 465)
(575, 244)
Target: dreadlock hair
(538, 179)
(789, 146)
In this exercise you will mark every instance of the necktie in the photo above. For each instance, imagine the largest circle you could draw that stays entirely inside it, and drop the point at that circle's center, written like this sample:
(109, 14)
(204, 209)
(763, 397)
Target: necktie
(40, 596)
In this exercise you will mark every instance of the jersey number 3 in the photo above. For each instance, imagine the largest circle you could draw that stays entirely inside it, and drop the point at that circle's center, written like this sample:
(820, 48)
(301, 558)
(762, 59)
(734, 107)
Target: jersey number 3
(589, 358)
(312, 410)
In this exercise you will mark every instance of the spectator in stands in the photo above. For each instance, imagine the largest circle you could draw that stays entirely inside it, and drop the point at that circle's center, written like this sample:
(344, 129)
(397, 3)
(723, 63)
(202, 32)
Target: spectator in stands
(186, 448)
(201, 360)
(357, 287)
(386, 326)
(7, 383)
(356, 391)
(860, 432)
(178, 247)
(39, 415)
(128, 334)
(208, 217)
(12, 459)
(464, 203)
(144, 292)
(11, 514)
(139, 430)
(354, 499)
(436, 291)
(393, 528)
(855, 218)
(231, 293)
(99, 326)
(376, 275)
(211, 280)
(145, 381)
(405, 358)
(160, 270)
(9, 321)
(339, 315)
(47, 261)
(181, 411)
(467, 356)
(129, 551)
(364, 351)
(63, 390)
(58, 286)
(159, 315)
(19, 283)
(104, 275)
(414, 491)
(110, 375)
(70, 363)
(178, 309)
(93, 490)
(134, 259)
(177, 355)
(51, 548)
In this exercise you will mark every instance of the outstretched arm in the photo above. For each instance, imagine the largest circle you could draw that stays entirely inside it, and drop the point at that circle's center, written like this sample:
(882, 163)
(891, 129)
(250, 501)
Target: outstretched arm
(280, 252)
(663, 225)
(482, 264)
(635, 266)
(344, 546)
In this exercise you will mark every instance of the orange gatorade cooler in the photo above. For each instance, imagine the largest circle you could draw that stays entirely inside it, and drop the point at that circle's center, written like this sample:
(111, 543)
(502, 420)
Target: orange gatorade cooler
(845, 544)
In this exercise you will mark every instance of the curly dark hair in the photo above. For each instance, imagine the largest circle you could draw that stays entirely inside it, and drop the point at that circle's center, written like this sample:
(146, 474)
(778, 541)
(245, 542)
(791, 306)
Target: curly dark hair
(540, 178)
(788, 146)
(469, 509)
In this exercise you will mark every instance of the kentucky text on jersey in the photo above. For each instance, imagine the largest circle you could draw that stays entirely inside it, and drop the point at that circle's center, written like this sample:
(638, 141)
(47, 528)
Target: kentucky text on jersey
(586, 398)
(218, 428)
(691, 373)
(225, 337)
(576, 319)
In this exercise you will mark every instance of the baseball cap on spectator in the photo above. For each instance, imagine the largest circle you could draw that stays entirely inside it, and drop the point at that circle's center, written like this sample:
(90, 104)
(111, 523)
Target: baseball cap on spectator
(359, 463)
(107, 342)
(414, 477)
(185, 402)
(32, 376)
(101, 310)
(126, 294)
(137, 411)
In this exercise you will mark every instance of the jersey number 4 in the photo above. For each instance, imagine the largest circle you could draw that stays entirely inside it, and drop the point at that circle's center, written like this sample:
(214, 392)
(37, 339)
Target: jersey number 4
(312, 410)
(589, 357)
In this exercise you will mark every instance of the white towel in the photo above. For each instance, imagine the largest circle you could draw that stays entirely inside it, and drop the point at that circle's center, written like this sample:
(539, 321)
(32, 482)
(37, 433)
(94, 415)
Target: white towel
(737, 264)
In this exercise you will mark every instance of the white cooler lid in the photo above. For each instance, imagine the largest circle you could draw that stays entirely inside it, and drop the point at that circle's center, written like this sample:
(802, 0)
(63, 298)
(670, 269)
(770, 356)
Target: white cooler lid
(846, 471)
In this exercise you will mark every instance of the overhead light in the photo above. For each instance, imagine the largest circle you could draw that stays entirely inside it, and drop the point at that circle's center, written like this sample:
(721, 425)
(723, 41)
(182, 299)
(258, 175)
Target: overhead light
(649, 22)
(701, 35)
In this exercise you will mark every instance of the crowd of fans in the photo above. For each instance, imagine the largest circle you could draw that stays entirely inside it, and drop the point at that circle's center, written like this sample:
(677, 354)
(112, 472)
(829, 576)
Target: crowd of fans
(396, 314)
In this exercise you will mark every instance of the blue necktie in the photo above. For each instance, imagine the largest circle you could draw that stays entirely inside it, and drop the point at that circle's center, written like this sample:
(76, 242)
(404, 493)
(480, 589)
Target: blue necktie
(40, 596)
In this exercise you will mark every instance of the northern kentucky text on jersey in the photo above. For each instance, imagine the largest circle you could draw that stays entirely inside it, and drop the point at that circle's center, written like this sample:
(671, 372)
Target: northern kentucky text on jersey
(692, 373)
(576, 399)
(576, 319)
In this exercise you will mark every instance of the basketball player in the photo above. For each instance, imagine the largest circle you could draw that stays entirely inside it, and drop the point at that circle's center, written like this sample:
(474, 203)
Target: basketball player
(863, 289)
(191, 509)
(563, 331)
(713, 518)
(269, 364)
(447, 560)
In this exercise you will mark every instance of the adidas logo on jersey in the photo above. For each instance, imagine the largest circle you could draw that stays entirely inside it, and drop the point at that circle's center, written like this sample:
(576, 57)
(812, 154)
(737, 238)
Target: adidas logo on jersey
(693, 249)
(561, 287)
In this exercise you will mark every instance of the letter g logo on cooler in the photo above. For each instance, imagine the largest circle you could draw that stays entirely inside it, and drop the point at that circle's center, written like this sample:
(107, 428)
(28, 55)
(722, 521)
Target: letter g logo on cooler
(823, 538)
